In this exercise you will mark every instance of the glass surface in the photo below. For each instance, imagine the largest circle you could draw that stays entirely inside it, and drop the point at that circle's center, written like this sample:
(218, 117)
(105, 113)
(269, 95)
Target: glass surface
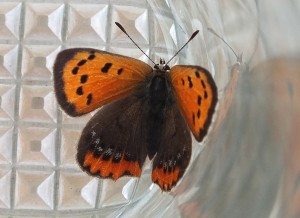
(247, 166)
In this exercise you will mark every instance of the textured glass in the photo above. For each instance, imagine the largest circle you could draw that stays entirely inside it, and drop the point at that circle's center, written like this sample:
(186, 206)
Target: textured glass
(248, 165)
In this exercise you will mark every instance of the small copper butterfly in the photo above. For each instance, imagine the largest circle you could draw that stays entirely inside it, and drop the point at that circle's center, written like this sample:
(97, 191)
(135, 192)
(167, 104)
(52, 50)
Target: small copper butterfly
(146, 112)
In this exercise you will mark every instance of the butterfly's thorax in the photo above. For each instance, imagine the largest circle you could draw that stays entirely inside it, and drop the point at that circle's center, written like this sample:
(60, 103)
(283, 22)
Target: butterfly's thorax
(158, 91)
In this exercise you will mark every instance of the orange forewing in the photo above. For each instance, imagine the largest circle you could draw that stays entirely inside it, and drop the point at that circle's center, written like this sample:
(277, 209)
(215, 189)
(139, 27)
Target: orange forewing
(86, 79)
(109, 169)
(196, 95)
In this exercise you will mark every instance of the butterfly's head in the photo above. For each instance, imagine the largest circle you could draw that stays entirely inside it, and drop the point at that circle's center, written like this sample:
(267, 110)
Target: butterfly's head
(162, 66)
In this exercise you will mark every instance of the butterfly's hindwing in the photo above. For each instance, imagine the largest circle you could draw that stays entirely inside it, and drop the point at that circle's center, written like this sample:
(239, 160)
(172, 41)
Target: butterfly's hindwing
(86, 79)
(174, 150)
(196, 95)
(113, 142)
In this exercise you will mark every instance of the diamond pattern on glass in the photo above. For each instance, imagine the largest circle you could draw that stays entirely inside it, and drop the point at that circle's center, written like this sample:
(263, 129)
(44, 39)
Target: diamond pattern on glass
(6, 137)
(68, 147)
(30, 111)
(38, 61)
(77, 190)
(5, 178)
(7, 102)
(136, 22)
(34, 189)
(8, 61)
(113, 192)
(84, 22)
(36, 146)
(43, 21)
(165, 34)
(10, 20)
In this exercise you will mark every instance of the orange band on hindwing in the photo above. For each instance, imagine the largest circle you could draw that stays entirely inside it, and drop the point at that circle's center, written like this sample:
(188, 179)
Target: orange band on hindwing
(109, 169)
(164, 178)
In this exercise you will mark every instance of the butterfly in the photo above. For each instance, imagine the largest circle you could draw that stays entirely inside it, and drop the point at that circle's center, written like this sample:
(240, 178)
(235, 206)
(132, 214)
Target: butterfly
(145, 112)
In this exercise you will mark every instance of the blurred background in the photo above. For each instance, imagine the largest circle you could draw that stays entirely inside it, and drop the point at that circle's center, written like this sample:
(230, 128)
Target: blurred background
(247, 166)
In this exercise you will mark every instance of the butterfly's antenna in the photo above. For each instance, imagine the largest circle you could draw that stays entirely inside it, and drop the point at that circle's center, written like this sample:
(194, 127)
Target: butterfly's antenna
(193, 35)
(217, 35)
(124, 31)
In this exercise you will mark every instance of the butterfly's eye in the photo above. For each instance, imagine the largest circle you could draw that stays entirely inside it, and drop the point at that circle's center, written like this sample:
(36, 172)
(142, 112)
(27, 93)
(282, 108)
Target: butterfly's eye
(167, 67)
(156, 67)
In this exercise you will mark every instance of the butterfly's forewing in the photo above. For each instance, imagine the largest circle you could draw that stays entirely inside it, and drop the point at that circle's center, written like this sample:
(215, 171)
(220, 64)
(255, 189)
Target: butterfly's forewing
(86, 79)
(174, 150)
(196, 95)
(113, 142)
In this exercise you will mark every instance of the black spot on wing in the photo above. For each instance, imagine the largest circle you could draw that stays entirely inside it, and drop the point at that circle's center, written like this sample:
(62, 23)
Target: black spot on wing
(106, 67)
(83, 78)
(117, 156)
(203, 84)
(198, 113)
(106, 156)
(98, 152)
(120, 71)
(75, 70)
(82, 62)
(79, 91)
(199, 100)
(130, 157)
(205, 94)
(89, 99)
(190, 82)
(197, 74)
(91, 57)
